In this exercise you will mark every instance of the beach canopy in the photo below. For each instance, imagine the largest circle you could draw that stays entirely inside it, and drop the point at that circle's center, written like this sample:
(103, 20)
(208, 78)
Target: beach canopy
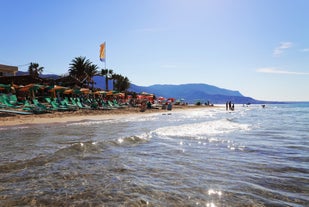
(57, 89)
(68, 91)
(146, 94)
(119, 94)
(30, 87)
(100, 92)
(110, 93)
(77, 91)
(85, 90)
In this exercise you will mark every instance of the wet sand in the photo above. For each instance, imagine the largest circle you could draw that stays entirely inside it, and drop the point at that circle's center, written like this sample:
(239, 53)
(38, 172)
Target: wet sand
(7, 119)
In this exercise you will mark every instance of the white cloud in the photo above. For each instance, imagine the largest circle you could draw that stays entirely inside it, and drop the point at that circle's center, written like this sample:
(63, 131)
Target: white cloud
(280, 49)
(305, 50)
(279, 71)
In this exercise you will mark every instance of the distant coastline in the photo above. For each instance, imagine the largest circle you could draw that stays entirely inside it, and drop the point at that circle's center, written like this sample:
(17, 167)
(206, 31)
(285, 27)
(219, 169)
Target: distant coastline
(190, 92)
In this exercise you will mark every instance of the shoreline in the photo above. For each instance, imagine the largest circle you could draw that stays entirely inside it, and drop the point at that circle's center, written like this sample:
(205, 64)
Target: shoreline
(83, 114)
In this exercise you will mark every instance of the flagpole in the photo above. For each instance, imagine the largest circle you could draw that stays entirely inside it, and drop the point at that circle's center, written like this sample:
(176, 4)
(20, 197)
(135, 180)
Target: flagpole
(105, 56)
(105, 63)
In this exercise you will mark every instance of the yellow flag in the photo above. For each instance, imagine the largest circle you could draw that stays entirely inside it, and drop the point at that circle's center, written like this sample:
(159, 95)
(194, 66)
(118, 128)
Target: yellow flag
(102, 52)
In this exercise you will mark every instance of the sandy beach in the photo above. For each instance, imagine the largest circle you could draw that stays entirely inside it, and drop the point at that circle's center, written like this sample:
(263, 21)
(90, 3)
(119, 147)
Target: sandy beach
(79, 115)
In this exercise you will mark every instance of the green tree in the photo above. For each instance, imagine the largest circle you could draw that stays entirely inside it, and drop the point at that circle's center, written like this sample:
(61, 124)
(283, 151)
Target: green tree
(121, 83)
(83, 69)
(35, 70)
(91, 71)
(108, 73)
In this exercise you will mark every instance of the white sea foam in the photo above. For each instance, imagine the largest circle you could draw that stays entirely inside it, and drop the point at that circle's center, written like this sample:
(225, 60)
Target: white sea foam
(200, 130)
(136, 138)
(89, 122)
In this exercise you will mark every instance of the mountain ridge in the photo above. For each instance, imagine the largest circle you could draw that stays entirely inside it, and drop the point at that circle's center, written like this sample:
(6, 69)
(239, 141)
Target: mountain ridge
(194, 92)
(190, 92)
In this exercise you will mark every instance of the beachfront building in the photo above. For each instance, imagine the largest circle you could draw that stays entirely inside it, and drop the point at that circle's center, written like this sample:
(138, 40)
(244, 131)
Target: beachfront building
(7, 70)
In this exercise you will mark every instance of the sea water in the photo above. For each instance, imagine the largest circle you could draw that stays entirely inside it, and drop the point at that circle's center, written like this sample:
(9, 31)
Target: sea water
(252, 156)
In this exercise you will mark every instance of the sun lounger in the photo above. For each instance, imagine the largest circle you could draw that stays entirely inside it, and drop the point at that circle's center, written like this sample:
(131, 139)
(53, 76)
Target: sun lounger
(116, 104)
(13, 100)
(56, 106)
(8, 104)
(40, 108)
(64, 103)
(81, 106)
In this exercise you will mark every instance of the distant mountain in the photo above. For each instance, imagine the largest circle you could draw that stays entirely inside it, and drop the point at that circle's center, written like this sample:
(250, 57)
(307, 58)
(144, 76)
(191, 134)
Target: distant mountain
(100, 83)
(190, 92)
(195, 92)
(20, 73)
(51, 76)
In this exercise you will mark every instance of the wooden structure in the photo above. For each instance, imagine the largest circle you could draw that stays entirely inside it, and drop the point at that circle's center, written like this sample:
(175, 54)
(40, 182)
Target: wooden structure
(7, 70)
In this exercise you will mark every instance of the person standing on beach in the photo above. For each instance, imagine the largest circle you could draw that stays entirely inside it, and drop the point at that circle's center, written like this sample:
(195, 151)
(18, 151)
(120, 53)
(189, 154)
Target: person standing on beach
(230, 105)
(227, 105)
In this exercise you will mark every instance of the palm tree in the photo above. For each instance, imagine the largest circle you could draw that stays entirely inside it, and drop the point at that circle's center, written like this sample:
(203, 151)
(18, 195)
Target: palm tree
(108, 75)
(91, 71)
(82, 69)
(35, 70)
(121, 83)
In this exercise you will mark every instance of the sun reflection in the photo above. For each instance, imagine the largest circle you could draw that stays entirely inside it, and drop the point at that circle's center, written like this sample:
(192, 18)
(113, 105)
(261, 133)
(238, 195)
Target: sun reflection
(214, 192)
(211, 204)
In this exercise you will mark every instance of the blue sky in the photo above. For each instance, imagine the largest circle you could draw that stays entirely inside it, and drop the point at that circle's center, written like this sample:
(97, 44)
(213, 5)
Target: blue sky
(258, 47)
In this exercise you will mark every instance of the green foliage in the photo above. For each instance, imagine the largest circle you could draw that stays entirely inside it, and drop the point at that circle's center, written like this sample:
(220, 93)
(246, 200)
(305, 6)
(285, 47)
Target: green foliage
(83, 69)
(120, 82)
(35, 70)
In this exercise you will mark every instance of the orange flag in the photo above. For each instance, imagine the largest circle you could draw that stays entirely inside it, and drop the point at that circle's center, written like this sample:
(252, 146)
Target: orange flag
(102, 52)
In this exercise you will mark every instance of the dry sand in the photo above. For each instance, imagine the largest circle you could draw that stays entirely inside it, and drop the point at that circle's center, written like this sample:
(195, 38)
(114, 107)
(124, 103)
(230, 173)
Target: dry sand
(79, 115)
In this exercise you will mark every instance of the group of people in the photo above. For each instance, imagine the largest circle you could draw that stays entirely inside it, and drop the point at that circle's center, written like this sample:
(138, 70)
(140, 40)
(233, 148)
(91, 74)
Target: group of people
(229, 106)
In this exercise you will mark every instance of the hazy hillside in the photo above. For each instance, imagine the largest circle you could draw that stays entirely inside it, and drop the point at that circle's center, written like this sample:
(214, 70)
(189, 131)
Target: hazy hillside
(195, 92)
(190, 92)
(100, 82)
(51, 76)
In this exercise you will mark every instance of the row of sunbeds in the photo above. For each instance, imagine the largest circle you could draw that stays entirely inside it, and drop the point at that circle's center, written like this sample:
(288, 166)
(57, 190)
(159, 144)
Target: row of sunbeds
(55, 104)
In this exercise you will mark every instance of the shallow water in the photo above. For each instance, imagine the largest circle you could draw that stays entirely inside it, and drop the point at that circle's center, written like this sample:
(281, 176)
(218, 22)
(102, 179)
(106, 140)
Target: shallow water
(202, 157)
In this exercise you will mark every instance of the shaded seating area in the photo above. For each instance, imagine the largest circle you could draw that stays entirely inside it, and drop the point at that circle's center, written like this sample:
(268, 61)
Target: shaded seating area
(38, 98)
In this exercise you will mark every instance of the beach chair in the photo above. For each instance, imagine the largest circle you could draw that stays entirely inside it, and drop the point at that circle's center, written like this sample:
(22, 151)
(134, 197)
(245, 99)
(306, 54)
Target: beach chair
(27, 106)
(81, 106)
(116, 104)
(40, 107)
(64, 103)
(56, 106)
(48, 100)
(13, 100)
(111, 104)
(2, 105)
(67, 102)
(73, 102)
(105, 106)
(8, 104)
(34, 108)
